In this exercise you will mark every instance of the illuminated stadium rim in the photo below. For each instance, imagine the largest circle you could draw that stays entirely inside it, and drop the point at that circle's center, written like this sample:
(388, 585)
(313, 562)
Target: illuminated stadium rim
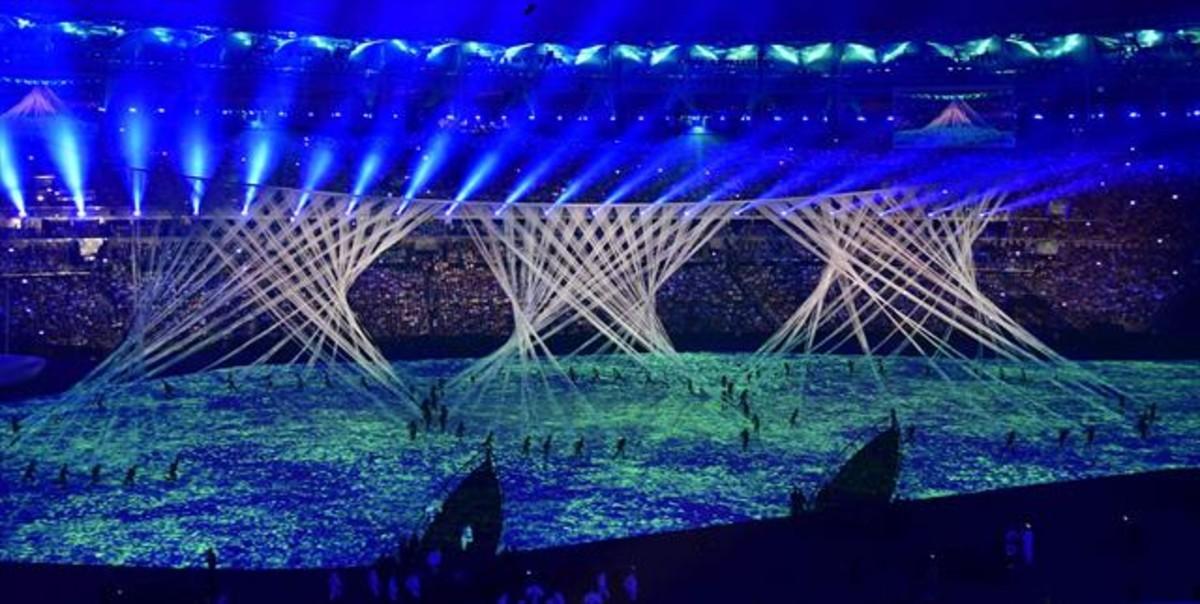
(471, 209)
(376, 53)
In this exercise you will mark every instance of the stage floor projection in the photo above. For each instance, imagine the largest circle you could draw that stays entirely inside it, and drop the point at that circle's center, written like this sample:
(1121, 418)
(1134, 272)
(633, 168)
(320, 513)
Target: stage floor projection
(281, 471)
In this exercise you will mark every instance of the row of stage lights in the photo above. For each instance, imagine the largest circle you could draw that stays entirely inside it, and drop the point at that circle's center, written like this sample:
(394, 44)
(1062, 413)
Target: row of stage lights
(66, 150)
(1132, 114)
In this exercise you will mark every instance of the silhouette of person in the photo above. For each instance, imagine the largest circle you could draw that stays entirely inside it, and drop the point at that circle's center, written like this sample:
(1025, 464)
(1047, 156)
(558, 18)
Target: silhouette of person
(620, 447)
(745, 439)
(173, 469)
(797, 502)
(335, 587)
(1027, 544)
(210, 562)
(630, 585)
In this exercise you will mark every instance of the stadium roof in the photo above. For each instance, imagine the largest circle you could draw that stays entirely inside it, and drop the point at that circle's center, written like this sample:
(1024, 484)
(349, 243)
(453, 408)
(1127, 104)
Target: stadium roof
(579, 21)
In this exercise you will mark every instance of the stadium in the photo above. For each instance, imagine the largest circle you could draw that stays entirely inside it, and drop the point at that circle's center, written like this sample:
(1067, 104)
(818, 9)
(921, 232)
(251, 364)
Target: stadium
(548, 303)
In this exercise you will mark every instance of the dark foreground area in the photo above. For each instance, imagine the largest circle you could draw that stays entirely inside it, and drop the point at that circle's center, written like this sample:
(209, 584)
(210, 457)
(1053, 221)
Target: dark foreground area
(1121, 539)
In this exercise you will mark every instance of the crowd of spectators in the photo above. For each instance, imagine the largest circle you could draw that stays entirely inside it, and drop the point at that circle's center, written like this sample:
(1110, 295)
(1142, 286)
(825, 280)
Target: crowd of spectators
(1120, 253)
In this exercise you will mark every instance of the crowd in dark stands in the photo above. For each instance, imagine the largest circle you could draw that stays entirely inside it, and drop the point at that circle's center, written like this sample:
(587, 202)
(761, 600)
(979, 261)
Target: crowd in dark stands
(1119, 254)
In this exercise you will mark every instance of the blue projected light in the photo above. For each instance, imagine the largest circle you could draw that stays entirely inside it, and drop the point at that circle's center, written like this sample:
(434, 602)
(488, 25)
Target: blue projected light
(259, 163)
(427, 165)
(546, 165)
(731, 184)
(319, 167)
(643, 175)
(10, 172)
(714, 170)
(479, 174)
(681, 187)
(67, 153)
(135, 149)
(198, 162)
(369, 172)
(581, 183)
(528, 181)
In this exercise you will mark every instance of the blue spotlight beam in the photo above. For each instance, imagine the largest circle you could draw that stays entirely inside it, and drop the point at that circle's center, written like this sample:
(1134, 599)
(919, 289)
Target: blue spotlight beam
(476, 178)
(260, 161)
(66, 151)
(198, 161)
(10, 172)
(369, 171)
(529, 180)
(647, 172)
(427, 165)
(584, 180)
(135, 149)
(548, 164)
(318, 168)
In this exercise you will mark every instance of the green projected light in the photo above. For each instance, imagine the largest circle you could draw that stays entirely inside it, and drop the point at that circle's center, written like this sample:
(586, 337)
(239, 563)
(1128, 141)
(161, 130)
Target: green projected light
(282, 468)
(630, 53)
(896, 51)
(1063, 46)
(704, 53)
(816, 52)
(590, 55)
(1025, 47)
(944, 50)
(1149, 38)
(664, 54)
(807, 53)
(745, 52)
(512, 52)
(858, 53)
(784, 53)
(978, 48)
